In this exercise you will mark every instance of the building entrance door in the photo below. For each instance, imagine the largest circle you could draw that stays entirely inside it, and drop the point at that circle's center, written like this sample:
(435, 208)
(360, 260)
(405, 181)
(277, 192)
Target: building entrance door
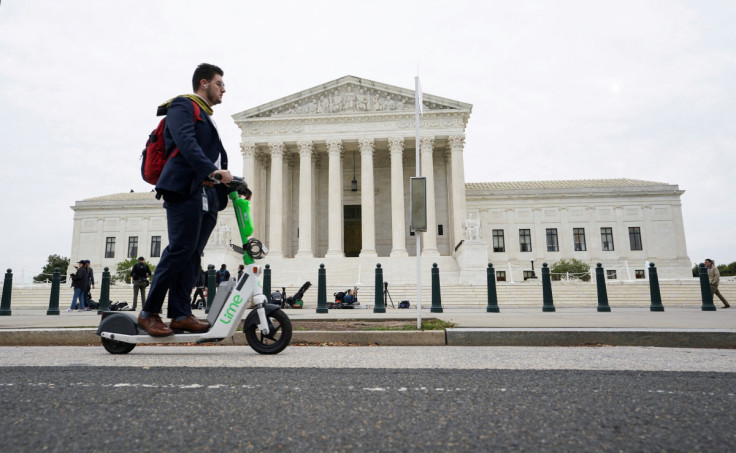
(353, 230)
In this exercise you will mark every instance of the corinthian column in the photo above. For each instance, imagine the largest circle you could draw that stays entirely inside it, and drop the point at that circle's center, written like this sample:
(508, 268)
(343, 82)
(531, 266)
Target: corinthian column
(398, 225)
(305, 200)
(426, 146)
(248, 150)
(367, 197)
(334, 200)
(457, 187)
(276, 217)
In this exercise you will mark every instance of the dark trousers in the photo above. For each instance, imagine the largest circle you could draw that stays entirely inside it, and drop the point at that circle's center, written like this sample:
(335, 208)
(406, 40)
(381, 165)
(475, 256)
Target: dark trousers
(139, 286)
(715, 292)
(177, 271)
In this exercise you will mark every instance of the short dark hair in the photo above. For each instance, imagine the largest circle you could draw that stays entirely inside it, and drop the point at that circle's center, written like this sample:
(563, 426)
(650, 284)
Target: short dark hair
(205, 71)
(709, 260)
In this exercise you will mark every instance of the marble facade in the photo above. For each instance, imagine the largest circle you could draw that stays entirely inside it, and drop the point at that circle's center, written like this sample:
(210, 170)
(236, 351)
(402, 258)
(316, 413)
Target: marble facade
(301, 154)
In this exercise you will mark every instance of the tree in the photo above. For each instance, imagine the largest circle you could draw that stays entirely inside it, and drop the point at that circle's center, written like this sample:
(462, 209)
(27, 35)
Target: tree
(574, 268)
(122, 273)
(54, 261)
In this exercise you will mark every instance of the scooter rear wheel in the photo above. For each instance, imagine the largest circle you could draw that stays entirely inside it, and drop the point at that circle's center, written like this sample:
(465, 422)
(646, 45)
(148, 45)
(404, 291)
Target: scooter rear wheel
(117, 347)
(278, 338)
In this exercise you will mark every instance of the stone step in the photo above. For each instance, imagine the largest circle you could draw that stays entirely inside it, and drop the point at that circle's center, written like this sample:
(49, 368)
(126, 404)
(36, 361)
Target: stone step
(675, 293)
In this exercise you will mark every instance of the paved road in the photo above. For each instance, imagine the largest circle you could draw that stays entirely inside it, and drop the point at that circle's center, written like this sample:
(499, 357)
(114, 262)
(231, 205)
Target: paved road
(368, 399)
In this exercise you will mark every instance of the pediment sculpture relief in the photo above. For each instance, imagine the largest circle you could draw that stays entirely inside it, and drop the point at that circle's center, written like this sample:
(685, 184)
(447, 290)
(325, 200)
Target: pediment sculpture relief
(348, 99)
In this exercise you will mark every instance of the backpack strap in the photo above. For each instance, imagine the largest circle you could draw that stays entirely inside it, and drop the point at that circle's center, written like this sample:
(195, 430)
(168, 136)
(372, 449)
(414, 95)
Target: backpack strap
(197, 117)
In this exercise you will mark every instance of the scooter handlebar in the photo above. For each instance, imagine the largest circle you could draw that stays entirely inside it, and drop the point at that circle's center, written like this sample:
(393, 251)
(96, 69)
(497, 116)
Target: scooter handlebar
(237, 184)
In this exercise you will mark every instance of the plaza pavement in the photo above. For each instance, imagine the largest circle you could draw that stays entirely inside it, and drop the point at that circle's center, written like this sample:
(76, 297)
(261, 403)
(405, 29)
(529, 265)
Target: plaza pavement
(675, 327)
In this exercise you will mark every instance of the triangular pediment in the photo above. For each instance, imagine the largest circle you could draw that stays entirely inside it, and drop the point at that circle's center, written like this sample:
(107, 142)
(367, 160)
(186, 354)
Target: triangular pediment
(350, 95)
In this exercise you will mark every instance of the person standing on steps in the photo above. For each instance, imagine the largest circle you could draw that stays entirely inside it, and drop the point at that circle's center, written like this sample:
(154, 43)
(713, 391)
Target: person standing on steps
(191, 200)
(140, 273)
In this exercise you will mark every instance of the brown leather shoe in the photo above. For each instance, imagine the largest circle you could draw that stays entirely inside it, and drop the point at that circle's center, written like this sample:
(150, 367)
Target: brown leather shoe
(154, 326)
(190, 323)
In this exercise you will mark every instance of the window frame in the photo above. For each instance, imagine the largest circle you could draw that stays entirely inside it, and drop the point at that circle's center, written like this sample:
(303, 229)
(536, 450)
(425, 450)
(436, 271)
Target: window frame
(528, 236)
(502, 241)
(635, 238)
(607, 244)
(551, 233)
(110, 247)
(132, 246)
(578, 240)
(155, 246)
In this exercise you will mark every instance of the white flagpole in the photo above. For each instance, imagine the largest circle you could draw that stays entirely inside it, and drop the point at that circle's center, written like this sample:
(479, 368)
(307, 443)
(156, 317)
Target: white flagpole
(417, 109)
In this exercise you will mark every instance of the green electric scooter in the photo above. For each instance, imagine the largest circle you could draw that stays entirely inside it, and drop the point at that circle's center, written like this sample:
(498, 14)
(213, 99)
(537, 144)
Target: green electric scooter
(267, 328)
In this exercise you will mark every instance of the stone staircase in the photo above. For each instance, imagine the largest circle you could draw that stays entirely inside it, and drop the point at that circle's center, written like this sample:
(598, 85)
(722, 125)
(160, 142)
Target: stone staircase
(674, 293)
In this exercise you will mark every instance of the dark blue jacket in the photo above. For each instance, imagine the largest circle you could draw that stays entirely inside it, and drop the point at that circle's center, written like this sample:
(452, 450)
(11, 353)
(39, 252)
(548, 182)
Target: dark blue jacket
(199, 148)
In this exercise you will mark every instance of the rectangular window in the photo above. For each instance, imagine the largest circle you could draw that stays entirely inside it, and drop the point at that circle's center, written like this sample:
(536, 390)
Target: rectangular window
(635, 238)
(528, 274)
(498, 243)
(155, 246)
(578, 237)
(133, 247)
(500, 276)
(611, 274)
(110, 248)
(552, 240)
(607, 239)
(440, 230)
(525, 240)
(640, 273)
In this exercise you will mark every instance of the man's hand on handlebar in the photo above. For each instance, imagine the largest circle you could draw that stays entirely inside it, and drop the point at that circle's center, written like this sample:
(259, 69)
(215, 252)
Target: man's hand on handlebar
(223, 176)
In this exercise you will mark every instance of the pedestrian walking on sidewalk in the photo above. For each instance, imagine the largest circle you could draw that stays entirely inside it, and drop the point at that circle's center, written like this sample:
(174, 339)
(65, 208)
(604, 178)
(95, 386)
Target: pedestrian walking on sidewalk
(715, 277)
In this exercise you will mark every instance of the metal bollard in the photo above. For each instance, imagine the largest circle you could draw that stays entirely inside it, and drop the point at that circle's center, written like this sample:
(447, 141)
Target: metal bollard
(492, 296)
(654, 289)
(105, 292)
(322, 289)
(705, 291)
(547, 303)
(54, 297)
(436, 297)
(7, 290)
(379, 306)
(267, 283)
(211, 286)
(600, 281)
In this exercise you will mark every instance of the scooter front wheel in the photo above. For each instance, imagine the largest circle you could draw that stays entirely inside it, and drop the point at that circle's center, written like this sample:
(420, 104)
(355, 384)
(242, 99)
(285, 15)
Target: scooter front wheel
(117, 347)
(278, 337)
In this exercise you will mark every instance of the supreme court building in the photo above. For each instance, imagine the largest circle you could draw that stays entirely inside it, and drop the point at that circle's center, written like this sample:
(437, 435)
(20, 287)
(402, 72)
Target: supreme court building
(330, 166)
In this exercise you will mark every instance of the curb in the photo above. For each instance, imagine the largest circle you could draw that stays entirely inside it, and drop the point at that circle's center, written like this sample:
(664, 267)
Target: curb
(669, 338)
(88, 337)
(666, 338)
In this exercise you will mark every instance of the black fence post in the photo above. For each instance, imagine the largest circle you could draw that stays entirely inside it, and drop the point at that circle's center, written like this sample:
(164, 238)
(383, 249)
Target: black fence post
(436, 295)
(600, 281)
(267, 283)
(378, 305)
(654, 289)
(54, 297)
(322, 289)
(492, 296)
(548, 303)
(705, 291)
(7, 292)
(105, 292)
(211, 287)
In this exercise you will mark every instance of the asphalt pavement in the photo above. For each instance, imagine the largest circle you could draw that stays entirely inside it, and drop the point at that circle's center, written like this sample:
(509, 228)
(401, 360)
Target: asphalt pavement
(473, 326)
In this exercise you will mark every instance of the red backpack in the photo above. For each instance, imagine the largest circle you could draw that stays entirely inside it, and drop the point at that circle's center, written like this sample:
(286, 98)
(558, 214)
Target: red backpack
(154, 156)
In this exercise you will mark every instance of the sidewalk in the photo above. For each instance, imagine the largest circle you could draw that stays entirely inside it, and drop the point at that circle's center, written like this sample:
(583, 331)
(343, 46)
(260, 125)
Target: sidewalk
(675, 327)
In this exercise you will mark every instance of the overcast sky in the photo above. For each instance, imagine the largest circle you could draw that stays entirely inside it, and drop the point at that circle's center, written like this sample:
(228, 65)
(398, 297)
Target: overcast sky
(565, 89)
